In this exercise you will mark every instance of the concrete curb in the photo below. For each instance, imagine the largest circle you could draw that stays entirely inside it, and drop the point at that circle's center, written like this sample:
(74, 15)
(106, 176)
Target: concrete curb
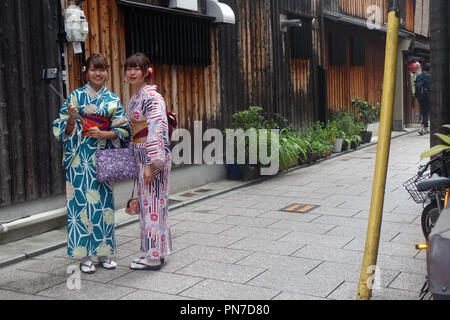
(27, 255)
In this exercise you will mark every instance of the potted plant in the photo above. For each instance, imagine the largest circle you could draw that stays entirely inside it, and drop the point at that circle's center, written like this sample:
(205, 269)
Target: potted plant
(245, 120)
(334, 136)
(367, 115)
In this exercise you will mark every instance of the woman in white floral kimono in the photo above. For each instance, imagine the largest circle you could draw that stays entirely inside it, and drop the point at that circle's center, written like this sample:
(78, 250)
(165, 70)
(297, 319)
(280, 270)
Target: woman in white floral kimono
(91, 119)
(151, 144)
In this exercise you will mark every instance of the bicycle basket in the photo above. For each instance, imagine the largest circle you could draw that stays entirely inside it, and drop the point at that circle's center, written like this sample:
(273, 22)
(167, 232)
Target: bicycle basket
(411, 186)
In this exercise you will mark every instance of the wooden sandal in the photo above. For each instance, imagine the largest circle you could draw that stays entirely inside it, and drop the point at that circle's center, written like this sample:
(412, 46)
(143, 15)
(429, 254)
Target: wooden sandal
(91, 268)
(107, 264)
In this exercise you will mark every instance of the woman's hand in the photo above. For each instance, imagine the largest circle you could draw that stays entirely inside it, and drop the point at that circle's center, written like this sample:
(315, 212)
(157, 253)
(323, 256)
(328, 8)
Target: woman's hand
(96, 133)
(148, 174)
(73, 110)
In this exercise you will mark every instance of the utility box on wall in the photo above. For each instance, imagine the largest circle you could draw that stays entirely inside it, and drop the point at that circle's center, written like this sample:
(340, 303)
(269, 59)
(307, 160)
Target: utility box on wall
(191, 5)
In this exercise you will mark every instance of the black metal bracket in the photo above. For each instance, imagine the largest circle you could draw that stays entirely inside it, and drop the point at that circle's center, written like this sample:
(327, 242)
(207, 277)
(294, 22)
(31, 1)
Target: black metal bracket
(394, 6)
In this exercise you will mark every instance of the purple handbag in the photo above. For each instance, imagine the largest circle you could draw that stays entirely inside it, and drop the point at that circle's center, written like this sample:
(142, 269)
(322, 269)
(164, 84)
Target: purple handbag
(116, 165)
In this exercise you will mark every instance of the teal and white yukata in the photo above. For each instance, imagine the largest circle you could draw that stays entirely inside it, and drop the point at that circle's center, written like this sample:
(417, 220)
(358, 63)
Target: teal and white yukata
(90, 204)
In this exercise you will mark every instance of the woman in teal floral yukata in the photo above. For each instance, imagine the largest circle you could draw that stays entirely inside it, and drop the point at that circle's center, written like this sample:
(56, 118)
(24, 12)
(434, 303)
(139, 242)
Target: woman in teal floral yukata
(92, 118)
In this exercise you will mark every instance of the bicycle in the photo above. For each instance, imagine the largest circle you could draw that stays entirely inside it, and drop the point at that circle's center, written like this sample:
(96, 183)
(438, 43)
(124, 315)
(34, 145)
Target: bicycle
(431, 199)
(438, 241)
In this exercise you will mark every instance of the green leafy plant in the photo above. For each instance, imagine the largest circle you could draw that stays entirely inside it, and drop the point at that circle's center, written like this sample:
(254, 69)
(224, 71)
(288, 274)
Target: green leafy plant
(439, 148)
(291, 149)
(367, 113)
(247, 119)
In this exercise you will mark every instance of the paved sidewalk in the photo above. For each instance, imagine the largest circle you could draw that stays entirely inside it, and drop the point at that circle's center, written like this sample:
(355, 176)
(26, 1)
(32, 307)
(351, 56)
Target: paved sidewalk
(240, 246)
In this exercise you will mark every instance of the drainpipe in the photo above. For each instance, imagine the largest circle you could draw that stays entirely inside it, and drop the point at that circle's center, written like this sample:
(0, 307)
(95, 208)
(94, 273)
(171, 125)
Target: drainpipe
(322, 33)
(31, 220)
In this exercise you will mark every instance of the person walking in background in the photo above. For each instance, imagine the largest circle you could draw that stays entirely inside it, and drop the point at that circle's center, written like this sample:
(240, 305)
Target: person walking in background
(92, 118)
(151, 144)
(422, 88)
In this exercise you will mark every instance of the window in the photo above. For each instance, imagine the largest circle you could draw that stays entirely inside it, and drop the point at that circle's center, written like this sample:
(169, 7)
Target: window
(301, 41)
(357, 52)
(168, 39)
(337, 49)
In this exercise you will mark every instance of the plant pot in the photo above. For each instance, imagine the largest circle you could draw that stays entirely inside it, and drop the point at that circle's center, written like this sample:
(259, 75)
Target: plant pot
(354, 145)
(234, 172)
(250, 172)
(310, 157)
(328, 153)
(345, 146)
(337, 145)
(367, 136)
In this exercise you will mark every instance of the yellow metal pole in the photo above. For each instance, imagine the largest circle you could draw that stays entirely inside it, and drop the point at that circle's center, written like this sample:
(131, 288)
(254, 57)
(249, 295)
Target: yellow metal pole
(381, 166)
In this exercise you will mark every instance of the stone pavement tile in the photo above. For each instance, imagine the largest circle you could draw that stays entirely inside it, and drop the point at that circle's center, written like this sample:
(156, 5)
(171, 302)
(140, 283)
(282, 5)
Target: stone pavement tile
(88, 291)
(245, 212)
(321, 253)
(27, 281)
(285, 295)
(202, 208)
(197, 216)
(360, 233)
(255, 233)
(342, 221)
(401, 227)
(47, 265)
(196, 252)
(270, 205)
(275, 247)
(349, 290)
(303, 238)
(215, 240)
(203, 227)
(409, 239)
(101, 275)
(279, 263)
(11, 295)
(389, 216)
(247, 221)
(221, 271)
(410, 265)
(292, 216)
(330, 202)
(394, 294)
(210, 289)
(319, 228)
(292, 282)
(152, 295)
(124, 239)
(326, 210)
(409, 282)
(159, 281)
(350, 272)
(385, 248)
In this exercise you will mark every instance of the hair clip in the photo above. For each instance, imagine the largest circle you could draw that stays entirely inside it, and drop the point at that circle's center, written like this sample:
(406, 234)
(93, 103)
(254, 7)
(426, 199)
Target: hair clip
(150, 73)
(83, 69)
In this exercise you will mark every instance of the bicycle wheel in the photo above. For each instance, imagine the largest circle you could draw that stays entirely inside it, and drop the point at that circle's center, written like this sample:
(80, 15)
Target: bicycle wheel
(430, 215)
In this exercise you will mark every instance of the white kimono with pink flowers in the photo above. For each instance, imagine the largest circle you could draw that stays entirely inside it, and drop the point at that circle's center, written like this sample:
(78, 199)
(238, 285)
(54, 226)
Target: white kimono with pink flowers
(148, 105)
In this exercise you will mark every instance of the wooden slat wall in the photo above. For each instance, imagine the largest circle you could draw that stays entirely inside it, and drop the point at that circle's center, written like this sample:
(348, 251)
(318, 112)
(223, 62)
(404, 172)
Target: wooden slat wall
(348, 82)
(263, 73)
(356, 9)
(29, 154)
(422, 18)
(190, 91)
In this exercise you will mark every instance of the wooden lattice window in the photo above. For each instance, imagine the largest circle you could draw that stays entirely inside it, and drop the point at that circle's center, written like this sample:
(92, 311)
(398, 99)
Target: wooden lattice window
(301, 41)
(337, 49)
(168, 39)
(357, 52)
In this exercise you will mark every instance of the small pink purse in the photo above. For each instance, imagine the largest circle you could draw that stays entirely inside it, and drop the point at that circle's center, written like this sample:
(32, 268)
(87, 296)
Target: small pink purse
(133, 204)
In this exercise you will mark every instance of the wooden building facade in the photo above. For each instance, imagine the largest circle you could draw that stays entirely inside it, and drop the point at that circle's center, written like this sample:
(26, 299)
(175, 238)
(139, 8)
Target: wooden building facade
(205, 71)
